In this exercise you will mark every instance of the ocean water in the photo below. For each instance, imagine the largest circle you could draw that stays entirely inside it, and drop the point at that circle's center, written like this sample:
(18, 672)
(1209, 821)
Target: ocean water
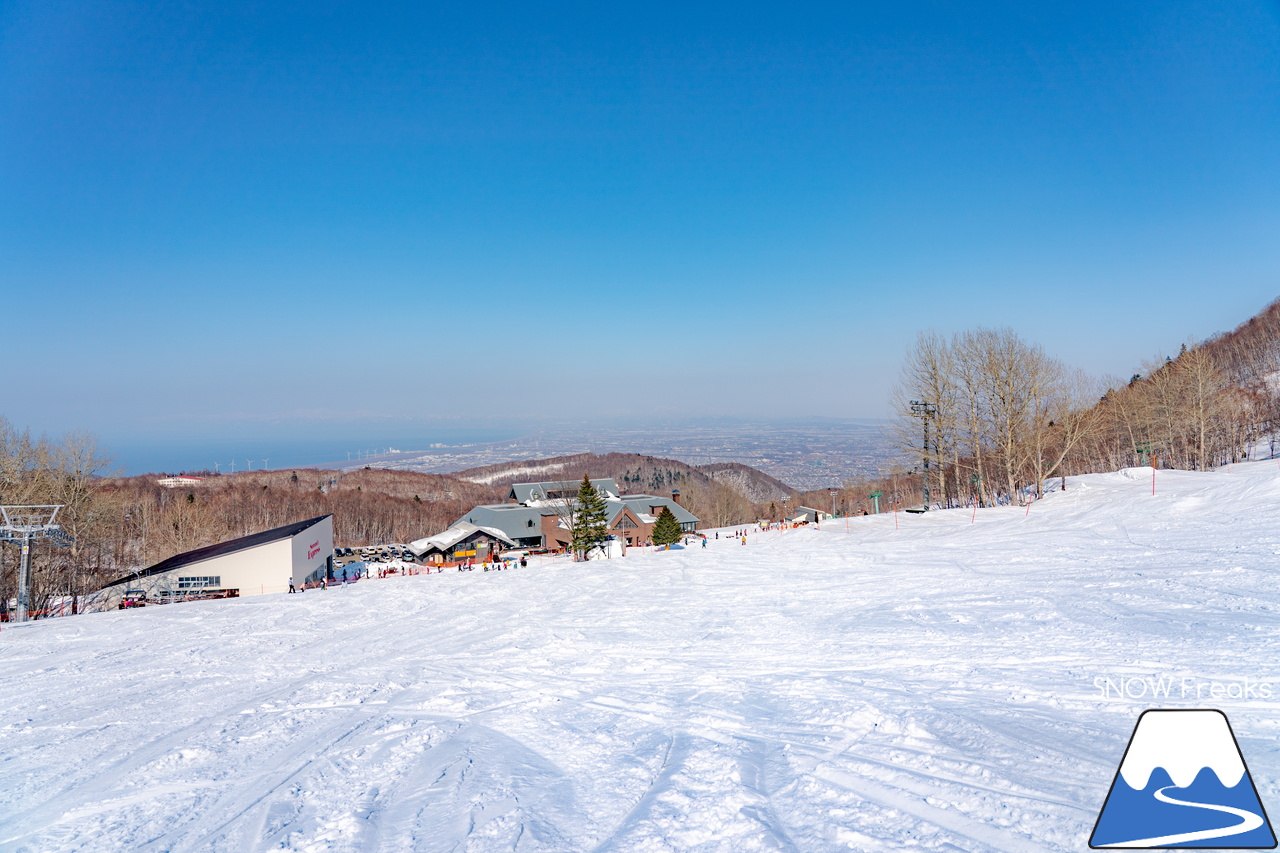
(177, 454)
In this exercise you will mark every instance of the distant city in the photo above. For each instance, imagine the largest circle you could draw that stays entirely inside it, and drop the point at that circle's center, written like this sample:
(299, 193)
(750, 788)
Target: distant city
(806, 455)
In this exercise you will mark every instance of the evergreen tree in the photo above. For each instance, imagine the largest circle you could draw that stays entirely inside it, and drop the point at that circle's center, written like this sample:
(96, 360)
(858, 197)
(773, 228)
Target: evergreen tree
(666, 531)
(592, 524)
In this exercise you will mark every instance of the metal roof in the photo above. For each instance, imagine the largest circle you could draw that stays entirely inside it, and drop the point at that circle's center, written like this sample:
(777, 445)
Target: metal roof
(511, 519)
(641, 503)
(526, 492)
(231, 546)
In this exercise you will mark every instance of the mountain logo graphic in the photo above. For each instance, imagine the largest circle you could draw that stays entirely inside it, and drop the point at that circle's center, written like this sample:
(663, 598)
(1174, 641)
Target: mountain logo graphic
(1183, 783)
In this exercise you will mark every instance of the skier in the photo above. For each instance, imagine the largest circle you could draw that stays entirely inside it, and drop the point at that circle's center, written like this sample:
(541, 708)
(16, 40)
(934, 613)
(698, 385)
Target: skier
(291, 589)
(704, 541)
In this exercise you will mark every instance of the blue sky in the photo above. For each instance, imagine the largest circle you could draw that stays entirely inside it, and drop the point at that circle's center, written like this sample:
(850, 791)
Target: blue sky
(217, 219)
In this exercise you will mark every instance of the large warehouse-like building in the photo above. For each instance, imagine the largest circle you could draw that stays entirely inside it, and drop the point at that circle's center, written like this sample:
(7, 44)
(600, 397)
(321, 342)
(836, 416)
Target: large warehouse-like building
(298, 553)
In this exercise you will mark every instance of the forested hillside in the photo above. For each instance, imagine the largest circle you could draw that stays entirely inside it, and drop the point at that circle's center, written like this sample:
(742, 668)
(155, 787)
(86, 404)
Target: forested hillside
(120, 524)
(1000, 416)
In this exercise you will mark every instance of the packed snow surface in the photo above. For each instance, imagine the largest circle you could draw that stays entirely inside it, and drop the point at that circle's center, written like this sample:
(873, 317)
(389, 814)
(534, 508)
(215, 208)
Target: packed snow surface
(931, 681)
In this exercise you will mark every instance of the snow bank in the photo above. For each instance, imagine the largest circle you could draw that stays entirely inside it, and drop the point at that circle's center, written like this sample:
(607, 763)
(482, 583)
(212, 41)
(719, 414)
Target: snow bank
(939, 684)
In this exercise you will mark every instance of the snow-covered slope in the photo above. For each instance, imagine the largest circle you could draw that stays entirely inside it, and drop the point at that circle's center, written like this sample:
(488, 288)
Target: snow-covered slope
(937, 685)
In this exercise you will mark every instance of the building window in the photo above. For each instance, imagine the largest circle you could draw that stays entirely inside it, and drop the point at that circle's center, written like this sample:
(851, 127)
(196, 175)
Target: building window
(199, 583)
(624, 523)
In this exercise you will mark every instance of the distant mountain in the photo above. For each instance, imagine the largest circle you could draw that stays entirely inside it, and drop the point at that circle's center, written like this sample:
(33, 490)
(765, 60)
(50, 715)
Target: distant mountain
(753, 484)
(721, 493)
(634, 472)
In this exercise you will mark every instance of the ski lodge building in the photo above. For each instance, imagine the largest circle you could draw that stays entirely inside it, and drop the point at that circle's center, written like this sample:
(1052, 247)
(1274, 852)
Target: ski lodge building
(809, 515)
(534, 518)
(263, 562)
(460, 542)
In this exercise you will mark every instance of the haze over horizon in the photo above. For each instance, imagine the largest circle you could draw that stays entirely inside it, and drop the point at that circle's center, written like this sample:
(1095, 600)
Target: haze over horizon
(235, 222)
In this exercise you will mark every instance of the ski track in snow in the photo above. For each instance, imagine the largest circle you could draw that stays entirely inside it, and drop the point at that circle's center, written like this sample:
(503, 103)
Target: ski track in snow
(814, 690)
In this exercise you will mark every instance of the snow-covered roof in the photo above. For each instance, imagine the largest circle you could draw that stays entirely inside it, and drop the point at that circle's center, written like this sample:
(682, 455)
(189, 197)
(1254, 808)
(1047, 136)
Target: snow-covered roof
(514, 520)
(524, 520)
(455, 534)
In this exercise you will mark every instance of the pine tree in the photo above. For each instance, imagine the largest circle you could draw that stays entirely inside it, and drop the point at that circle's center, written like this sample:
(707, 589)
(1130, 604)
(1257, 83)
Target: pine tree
(666, 531)
(592, 524)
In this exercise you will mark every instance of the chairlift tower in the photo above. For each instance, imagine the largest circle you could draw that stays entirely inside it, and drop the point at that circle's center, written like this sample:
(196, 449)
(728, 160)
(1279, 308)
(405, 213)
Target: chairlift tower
(925, 410)
(24, 525)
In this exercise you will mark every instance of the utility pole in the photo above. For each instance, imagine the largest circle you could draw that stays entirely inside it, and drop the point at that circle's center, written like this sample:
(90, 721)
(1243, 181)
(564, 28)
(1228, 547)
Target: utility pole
(925, 410)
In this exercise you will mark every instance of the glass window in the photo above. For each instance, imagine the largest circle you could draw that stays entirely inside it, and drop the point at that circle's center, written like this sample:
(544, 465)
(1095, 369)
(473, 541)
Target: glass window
(199, 582)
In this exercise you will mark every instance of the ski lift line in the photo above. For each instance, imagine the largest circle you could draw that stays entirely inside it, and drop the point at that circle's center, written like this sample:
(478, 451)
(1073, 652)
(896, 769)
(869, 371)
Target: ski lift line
(23, 525)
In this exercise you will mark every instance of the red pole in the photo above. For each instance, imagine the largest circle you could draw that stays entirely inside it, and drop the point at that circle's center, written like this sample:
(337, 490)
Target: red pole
(975, 510)
(1155, 460)
(895, 516)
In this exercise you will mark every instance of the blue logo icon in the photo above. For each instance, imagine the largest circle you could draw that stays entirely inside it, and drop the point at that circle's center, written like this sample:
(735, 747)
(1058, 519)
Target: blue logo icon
(1183, 783)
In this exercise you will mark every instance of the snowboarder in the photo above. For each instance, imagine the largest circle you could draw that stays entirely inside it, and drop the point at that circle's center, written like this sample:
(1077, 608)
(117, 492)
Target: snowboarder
(704, 541)
(524, 561)
(291, 589)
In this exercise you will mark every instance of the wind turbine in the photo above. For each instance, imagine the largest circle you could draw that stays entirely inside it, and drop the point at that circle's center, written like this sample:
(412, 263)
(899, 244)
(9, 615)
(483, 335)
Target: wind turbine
(216, 469)
(233, 466)
(264, 464)
(249, 464)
